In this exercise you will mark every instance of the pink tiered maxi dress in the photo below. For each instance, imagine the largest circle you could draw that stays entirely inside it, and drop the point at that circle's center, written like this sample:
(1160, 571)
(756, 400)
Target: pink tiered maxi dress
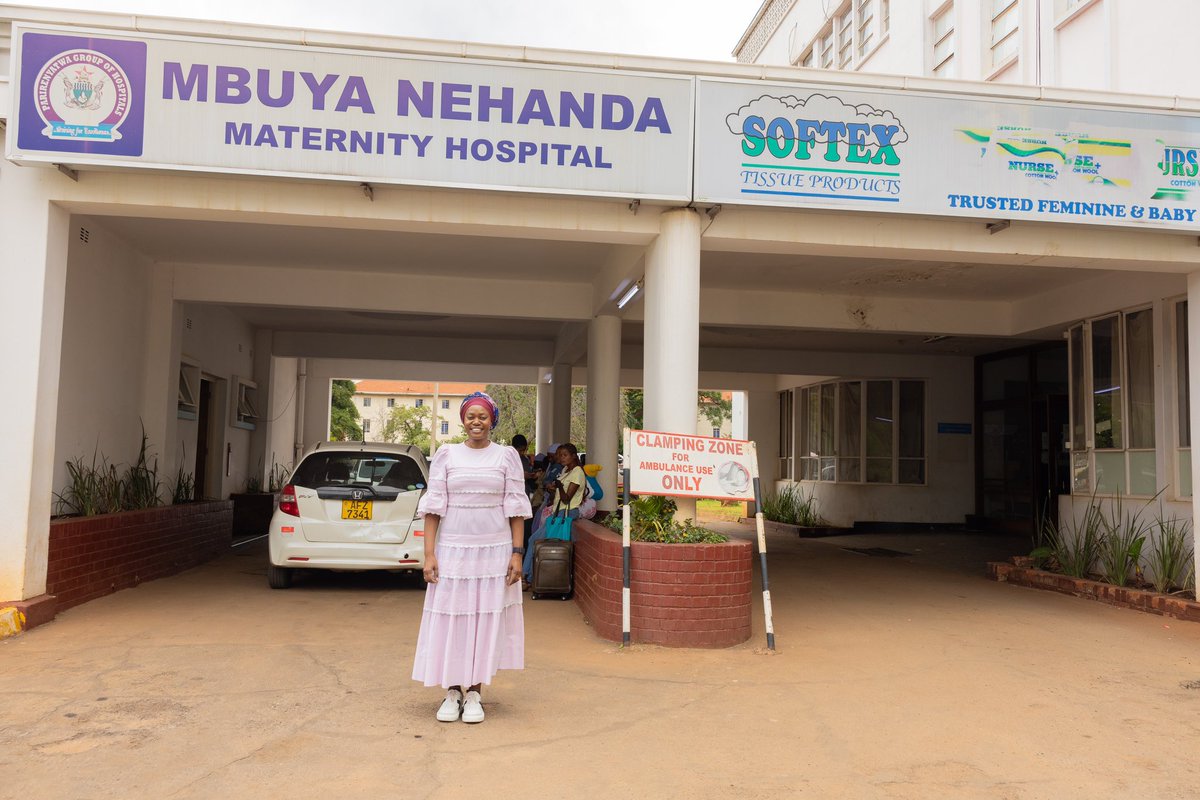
(472, 624)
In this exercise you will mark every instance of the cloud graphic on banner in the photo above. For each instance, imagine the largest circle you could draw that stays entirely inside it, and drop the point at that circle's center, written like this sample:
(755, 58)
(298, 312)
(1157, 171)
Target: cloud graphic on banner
(818, 118)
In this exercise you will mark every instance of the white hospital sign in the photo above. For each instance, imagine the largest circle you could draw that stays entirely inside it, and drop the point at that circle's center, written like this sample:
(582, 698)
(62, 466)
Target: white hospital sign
(187, 103)
(118, 100)
(677, 465)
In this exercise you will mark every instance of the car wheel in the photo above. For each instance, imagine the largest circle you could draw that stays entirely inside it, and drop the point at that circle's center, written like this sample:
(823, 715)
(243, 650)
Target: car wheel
(278, 577)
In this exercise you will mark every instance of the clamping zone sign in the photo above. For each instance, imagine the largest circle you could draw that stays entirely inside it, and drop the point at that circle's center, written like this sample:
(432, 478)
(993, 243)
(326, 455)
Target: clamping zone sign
(678, 465)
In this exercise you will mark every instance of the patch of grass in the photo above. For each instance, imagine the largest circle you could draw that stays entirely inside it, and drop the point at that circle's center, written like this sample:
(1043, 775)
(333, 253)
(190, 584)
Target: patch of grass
(790, 505)
(719, 511)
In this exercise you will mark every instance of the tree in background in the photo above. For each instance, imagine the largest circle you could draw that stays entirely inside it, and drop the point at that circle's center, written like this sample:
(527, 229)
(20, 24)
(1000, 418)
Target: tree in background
(716, 408)
(406, 425)
(343, 418)
(518, 411)
(713, 405)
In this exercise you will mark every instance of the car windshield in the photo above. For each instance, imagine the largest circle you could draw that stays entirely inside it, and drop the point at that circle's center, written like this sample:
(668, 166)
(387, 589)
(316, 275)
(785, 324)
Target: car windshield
(390, 470)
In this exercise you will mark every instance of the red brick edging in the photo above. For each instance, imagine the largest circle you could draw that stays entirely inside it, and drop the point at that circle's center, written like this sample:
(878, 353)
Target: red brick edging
(681, 595)
(1123, 596)
(93, 556)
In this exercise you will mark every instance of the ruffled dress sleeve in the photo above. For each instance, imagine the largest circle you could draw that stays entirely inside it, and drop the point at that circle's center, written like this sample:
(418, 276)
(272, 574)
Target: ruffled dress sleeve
(516, 502)
(434, 500)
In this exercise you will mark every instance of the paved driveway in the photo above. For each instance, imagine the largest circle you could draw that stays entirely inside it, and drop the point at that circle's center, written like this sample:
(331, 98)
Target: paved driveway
(907, 677)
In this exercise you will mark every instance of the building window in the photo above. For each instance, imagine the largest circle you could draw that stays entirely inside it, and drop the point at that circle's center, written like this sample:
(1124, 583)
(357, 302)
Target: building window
(885, 17)
(445, 428)
(391, 402)
(245, 403)
(1064, 7)
(1183, 403)
(420, 402)
(843, 24)
(1112, 404)
(366, 402)
(445, 404)
(188, 400)
(864, 432)
(366, 426)
(825, 40)
(943, 42)
(716, 433)
(786, 430)
(866, 26)
(1006, 37)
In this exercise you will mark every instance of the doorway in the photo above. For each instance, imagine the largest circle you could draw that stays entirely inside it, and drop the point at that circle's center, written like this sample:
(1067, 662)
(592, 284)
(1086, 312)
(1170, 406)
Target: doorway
(203, 413)
(1021, 424)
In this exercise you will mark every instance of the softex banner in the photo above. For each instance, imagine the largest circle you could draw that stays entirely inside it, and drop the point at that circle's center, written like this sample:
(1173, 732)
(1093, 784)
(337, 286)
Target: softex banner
(170, 102)
(805, 146)
(678, 465)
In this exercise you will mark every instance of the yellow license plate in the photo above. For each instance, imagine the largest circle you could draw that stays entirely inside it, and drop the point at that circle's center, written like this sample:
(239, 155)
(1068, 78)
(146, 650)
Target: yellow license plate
(356, 509)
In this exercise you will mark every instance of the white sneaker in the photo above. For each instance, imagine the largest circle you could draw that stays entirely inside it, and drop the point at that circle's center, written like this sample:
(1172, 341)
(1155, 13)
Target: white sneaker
(472, 708)
(451, 707)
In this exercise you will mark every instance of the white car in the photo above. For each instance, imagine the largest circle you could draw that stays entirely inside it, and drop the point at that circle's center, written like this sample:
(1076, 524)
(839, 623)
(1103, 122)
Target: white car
(350, 506)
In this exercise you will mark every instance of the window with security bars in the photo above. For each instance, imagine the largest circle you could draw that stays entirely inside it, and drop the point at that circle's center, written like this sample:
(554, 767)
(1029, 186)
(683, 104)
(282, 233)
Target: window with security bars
(863, 431)
(1112, 404)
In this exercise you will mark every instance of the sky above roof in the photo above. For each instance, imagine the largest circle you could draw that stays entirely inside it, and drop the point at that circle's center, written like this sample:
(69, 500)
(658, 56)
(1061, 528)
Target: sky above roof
(700, 29)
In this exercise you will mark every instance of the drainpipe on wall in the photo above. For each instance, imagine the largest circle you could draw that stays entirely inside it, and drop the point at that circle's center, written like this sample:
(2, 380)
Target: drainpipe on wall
(301, 387)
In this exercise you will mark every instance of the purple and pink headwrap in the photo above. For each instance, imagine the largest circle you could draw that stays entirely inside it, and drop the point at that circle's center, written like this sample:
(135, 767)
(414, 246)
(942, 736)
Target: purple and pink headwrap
(479, 399)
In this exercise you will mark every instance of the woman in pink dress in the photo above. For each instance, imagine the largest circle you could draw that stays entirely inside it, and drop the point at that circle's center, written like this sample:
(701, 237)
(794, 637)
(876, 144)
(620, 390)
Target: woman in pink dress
(474, 510)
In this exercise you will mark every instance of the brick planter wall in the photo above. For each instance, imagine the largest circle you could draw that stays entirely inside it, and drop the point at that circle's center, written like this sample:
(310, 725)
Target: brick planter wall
(1021, 574)
(682, 595)
(94, 556)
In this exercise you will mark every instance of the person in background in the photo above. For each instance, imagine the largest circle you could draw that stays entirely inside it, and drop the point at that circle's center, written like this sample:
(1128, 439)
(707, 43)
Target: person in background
(521, 445)
(567, 495)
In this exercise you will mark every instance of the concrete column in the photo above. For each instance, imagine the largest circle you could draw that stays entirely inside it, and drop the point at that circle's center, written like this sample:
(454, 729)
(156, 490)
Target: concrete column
(672, 328)
(1193, 341)
(284, 395)
(33, 268)
(259, 461)
(604, 402)
(738, 426)
(545, 412)
(160, 369)
(560, 425)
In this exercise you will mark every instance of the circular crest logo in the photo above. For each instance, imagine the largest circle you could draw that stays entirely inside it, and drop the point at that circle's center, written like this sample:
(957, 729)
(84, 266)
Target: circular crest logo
(82, 96)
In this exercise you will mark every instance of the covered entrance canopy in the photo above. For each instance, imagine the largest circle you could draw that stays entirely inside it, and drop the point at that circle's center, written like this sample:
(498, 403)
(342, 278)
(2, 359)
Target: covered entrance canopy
(272, 276)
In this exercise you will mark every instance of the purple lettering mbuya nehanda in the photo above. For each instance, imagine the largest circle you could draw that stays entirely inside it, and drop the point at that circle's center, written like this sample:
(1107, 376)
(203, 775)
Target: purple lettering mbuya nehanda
(233, 85)
(461, 101)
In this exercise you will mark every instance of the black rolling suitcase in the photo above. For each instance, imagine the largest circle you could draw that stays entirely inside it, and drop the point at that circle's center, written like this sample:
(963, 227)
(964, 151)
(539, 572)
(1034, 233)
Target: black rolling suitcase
(551, 569)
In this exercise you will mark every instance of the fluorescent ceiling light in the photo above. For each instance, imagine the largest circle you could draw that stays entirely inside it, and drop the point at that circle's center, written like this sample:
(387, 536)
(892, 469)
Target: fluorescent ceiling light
(630, 293)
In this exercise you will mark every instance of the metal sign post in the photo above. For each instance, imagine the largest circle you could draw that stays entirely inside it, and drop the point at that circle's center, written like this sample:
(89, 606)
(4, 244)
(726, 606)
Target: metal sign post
(626, 567)
(762, 552)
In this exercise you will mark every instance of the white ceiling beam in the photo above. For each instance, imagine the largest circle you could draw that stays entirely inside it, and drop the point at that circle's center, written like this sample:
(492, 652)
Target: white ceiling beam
(434, 349)
(907, 237)
(381, 292)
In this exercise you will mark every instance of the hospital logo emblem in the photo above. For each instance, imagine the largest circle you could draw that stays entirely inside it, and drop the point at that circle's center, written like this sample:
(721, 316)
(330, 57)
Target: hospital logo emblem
(82, 96)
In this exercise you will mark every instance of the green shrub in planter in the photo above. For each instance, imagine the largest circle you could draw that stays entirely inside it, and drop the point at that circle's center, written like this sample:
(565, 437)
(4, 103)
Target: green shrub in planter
(652, 519)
